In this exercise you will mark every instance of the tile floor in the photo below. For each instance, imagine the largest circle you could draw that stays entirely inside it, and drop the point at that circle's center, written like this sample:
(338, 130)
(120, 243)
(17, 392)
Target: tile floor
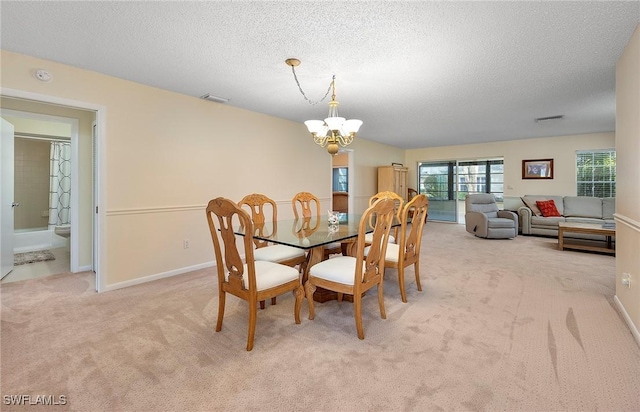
(40, 269)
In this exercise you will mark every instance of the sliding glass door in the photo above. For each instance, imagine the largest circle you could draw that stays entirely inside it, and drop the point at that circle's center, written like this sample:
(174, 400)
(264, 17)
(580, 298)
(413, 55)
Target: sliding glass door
(437, 181)
(447, 183)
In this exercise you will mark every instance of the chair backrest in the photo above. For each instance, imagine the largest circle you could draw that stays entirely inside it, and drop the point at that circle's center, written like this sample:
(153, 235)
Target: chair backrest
(482, 202)
(399, 201)
(411, 193)
(229, 214)
(303, 204)
(410, 242)
(381, 212)
(259, 205)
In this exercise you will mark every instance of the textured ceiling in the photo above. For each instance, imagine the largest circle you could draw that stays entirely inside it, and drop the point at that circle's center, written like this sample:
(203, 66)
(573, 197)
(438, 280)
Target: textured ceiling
(418, 74)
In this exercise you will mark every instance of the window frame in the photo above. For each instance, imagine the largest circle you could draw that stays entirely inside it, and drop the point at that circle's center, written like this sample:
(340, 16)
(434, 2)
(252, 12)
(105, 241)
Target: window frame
(588, 163)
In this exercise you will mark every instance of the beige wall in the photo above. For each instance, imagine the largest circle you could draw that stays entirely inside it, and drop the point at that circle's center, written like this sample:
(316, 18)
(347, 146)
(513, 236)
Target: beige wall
(167, 154)
(561, 149)
(368, 156)
(628, 180)
(341, 160)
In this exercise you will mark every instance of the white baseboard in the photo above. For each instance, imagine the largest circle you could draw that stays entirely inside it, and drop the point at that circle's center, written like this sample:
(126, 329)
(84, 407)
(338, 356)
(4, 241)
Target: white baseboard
(86, 268)
(627, 318)
(158, 276)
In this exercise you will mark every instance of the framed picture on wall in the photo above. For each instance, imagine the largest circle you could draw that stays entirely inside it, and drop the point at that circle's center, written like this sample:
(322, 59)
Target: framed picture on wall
(537, 169)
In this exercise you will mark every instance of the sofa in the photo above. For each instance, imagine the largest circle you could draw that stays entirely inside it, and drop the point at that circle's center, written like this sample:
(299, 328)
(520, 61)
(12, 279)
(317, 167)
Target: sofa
(582, 209)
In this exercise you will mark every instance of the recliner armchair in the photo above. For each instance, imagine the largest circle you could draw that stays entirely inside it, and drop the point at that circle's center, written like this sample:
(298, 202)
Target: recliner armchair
(484, 219)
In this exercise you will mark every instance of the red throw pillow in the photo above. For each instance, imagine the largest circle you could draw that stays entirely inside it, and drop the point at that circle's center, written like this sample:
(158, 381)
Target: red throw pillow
(548, 208)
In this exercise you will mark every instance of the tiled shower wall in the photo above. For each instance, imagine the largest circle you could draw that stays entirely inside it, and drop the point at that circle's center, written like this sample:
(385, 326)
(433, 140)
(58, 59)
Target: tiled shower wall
(31, 188)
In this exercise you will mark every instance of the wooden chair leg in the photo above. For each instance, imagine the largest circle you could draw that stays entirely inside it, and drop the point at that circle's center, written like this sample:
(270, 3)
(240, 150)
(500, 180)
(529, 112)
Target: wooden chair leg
(253, 313)
(340, 296)
(273, 300)
(310, 288)
(403, 293)
(221, 300)
(383, 312)
(262, 304)
(417, 269)
(357, 312)
(299, 295)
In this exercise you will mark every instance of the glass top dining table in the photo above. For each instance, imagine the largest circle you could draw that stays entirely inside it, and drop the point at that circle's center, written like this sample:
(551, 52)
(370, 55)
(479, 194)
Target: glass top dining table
(310, 232)
(313, 234)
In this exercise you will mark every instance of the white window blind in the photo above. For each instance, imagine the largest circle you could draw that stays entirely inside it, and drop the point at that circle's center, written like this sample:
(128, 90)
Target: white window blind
(596, 173)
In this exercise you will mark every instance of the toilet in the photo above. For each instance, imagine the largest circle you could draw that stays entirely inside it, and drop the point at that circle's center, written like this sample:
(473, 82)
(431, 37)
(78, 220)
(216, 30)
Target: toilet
(63, 230)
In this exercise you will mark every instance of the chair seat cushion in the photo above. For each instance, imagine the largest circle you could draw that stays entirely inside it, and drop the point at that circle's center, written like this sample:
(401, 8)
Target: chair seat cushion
(340, 269)
(368, 238)
(500, 222)
(277, 253)
(392, 255)
(269, 274)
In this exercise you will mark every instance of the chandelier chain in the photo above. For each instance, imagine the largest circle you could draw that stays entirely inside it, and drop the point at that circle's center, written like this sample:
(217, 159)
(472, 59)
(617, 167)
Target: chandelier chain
(311, 102)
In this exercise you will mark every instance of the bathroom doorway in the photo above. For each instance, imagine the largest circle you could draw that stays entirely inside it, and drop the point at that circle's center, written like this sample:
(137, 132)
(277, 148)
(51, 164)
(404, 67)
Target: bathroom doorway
(52, 150)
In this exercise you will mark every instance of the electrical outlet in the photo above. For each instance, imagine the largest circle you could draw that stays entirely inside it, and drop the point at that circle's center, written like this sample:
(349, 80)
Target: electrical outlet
(185, 243)
(626, 279)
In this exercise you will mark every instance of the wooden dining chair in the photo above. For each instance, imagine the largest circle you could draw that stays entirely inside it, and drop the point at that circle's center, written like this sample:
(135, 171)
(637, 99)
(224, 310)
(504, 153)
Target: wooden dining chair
(411, 193)
(406, 251)
(399, 201)
(260, 205)
(354, 275)
(306, 205)
(251, 280)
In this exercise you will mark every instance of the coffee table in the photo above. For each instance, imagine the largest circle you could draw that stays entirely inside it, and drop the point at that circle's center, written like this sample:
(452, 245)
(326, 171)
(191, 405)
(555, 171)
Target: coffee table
(589, 228)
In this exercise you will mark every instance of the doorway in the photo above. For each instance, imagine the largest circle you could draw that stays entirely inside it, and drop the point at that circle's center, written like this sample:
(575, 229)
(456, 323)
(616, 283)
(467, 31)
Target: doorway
(341, 178)
(83, 236)
(44, 148)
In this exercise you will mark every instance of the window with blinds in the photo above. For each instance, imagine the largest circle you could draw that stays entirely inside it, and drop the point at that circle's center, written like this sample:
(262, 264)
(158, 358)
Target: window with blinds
(596, 173)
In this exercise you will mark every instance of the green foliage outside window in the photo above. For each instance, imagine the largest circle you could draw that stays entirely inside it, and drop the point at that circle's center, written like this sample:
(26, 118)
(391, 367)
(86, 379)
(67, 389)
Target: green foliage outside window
(596, 173)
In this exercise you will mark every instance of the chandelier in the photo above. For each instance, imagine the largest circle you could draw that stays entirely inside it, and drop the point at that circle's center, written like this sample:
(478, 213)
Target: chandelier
(334, 131)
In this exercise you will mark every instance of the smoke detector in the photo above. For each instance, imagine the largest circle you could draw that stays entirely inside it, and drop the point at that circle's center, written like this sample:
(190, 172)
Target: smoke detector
(43, 75)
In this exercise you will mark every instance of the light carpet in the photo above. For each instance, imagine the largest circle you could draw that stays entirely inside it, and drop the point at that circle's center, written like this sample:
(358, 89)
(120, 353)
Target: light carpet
(32, 257)
(501, 325)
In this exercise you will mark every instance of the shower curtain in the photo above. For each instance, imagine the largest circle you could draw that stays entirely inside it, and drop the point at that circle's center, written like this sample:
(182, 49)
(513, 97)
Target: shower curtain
(60, 184)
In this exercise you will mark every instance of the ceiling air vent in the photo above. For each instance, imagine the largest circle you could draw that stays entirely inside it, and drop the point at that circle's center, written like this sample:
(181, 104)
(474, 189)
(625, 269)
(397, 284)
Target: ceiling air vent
(549, 118)
(213, 98)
